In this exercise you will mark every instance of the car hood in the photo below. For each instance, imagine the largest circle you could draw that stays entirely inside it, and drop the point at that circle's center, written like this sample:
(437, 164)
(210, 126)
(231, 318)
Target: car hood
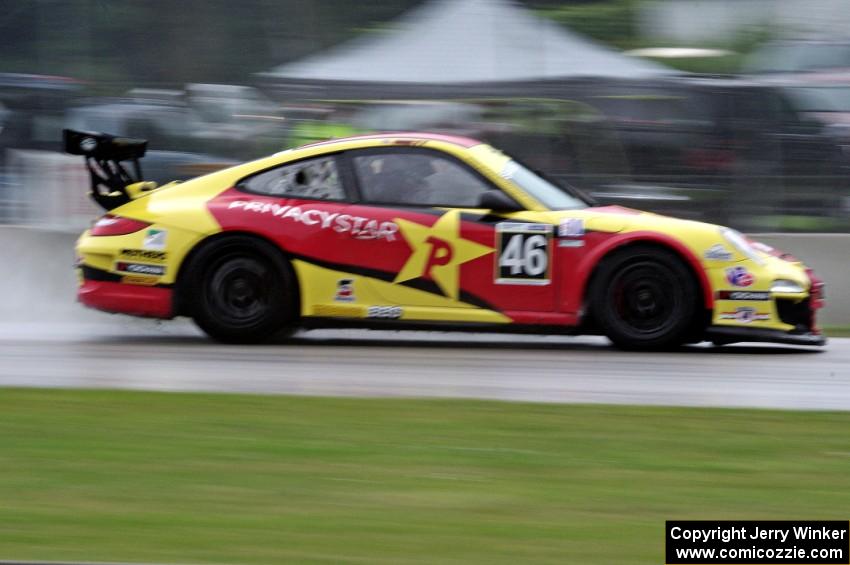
(613, 219)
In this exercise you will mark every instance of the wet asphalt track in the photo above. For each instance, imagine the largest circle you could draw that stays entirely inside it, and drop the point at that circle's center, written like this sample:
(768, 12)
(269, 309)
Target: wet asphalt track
(175, 357)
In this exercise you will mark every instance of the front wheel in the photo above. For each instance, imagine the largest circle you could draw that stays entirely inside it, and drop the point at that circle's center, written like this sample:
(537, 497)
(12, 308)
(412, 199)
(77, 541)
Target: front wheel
(241, 291)
(645, 298)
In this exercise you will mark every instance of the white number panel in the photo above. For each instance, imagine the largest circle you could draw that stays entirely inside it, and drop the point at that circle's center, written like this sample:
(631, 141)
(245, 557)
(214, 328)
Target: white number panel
(523, 253)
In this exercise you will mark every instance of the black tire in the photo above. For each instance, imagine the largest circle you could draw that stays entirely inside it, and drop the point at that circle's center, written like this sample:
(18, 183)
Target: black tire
(644, 297)
(241, 290)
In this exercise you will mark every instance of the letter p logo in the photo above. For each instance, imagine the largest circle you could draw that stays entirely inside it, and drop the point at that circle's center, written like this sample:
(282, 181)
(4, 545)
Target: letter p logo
(441, 254)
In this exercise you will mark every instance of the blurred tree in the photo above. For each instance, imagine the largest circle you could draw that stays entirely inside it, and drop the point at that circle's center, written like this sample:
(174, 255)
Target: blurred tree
(122, 43)
(611, 21)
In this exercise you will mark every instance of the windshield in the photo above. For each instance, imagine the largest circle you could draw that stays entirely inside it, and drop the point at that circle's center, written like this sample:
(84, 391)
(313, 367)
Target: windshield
(550, 195)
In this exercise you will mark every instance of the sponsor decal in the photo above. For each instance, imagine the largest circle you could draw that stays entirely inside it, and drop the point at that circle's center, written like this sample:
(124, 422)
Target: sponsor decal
(357, 226)
(745, 315)
(571, 227)
(739, 276)
(139, 280)
(385, 312)
(140, 268)
(509, 170)
(344, 291)
(155, 239)
(88, 144)
(143, 254)
(742, 295)
(524, 227)
(438, 252)
(718, 252)
(571, 243)
(338, 310)
(410, 142)
(763, 247)
(523, 253)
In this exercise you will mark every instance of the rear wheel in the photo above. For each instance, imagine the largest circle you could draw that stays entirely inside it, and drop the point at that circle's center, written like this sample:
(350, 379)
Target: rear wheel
(646, 298)
(241, 291)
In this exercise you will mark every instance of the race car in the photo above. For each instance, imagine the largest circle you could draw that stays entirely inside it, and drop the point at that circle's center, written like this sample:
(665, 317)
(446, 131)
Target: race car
(420, 231)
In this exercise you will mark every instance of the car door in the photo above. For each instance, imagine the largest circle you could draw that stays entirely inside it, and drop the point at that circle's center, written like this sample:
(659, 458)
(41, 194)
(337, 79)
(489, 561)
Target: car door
(445, 251)
(304, 208)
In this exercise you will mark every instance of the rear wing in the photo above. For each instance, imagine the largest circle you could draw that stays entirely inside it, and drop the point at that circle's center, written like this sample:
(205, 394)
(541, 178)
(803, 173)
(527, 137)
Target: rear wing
(106, 156)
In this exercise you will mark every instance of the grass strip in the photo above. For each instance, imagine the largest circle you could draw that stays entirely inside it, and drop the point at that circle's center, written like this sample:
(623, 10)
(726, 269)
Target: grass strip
(216, 478)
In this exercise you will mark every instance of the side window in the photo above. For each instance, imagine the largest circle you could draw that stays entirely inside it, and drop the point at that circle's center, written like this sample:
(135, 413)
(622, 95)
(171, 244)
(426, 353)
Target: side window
(417, 178)
(311, 178)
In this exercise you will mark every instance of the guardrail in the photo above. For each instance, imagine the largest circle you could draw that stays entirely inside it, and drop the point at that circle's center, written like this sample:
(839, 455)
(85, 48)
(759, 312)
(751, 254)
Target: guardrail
(46, 189)
(40, 285)
(50, 190)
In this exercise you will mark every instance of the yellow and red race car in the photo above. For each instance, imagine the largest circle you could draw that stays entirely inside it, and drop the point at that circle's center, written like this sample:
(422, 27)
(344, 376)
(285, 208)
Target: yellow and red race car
(420, 231)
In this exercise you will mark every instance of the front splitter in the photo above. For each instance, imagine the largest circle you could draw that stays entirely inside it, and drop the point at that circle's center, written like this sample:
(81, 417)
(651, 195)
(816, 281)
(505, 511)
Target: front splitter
(724, 335)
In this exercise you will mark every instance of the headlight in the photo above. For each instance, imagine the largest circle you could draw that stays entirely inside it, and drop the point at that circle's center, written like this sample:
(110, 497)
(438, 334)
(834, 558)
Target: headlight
(786, 286)
(739, 242)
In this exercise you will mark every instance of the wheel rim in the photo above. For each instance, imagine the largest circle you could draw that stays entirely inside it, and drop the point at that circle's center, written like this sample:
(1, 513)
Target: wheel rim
(239, 290)
(645, 299)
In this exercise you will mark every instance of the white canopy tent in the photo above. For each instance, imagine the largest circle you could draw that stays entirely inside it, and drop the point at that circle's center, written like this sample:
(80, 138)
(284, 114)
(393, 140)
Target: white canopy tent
(460, 42)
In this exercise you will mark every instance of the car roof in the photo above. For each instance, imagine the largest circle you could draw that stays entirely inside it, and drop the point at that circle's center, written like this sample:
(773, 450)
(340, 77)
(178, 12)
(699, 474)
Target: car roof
(400, 136)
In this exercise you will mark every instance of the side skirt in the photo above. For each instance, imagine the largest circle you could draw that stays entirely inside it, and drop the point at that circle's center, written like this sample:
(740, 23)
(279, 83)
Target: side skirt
(392, 325)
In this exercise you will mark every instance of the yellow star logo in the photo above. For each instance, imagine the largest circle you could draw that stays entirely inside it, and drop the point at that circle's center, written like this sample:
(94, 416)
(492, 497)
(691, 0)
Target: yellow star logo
(438, 252)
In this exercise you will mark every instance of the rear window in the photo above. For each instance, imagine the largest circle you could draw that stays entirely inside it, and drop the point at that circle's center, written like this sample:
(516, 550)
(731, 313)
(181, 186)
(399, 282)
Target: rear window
(316, 179)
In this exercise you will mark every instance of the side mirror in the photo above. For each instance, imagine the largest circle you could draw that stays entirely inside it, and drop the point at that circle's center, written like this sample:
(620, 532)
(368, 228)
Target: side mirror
(498, 201)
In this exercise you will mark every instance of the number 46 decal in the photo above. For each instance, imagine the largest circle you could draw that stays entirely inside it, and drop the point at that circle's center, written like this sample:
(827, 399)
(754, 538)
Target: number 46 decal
(523, 253)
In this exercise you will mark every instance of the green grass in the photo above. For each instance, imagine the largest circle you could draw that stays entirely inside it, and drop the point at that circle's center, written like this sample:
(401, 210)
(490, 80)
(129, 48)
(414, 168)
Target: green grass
(837, 331)
(192, 478)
